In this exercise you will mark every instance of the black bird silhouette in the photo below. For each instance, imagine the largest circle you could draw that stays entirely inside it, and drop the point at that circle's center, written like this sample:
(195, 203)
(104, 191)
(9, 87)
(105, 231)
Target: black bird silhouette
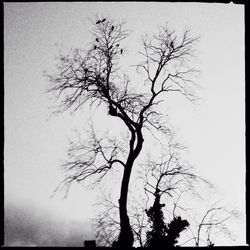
(117, 45)
(111, 47)
(112, 27)
(103, 20)
(97, 39)
(172, 44)
(95, 47)
(121, 51)
(98, 21)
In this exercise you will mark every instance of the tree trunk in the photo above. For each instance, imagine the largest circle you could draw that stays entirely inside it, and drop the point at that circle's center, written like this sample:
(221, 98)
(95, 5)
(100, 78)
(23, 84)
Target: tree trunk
(126, 238)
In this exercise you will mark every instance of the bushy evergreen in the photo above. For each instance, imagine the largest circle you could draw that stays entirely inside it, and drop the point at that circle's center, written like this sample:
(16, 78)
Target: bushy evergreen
(162, 235)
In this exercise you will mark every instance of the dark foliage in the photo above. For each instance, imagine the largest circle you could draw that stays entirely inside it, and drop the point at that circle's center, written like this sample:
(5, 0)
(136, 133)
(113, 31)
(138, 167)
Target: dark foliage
(162, 234)
(157, 235)
(175, 227)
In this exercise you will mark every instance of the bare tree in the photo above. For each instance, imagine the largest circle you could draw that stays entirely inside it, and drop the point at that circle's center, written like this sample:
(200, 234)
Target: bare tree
(93, 77)
(168, 181)
(171, 179)
(211, 223)
(171, 176)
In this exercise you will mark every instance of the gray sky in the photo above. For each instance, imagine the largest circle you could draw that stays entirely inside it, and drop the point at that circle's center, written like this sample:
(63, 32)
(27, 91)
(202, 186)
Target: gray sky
(35, 143)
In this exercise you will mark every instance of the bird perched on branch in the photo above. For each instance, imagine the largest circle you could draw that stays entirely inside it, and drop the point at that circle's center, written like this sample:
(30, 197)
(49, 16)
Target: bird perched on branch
(117, 45)
(121, 51)
(97, 39)
(103, 20)
(98, 21)
(112, 27)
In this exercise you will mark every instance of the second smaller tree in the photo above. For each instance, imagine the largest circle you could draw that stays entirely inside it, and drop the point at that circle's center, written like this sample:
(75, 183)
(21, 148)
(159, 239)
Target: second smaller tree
(162, 234)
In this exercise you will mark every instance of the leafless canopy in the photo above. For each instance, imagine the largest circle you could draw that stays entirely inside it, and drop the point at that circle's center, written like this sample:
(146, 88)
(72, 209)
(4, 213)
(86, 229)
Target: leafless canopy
(93, 77)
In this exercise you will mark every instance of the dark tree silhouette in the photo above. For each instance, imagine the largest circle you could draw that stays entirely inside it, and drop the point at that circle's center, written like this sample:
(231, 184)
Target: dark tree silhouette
(175, 227)
(174, 177)
(166, 69)
(162, 234)
(169, 176)
(157, 236)
(169, 179)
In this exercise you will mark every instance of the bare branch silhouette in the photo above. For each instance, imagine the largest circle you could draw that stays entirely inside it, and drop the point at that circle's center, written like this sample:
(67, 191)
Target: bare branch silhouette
(93, 77)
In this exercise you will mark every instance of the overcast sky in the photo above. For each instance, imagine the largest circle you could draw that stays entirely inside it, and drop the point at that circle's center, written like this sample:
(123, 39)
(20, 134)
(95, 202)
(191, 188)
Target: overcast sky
(36, 143)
